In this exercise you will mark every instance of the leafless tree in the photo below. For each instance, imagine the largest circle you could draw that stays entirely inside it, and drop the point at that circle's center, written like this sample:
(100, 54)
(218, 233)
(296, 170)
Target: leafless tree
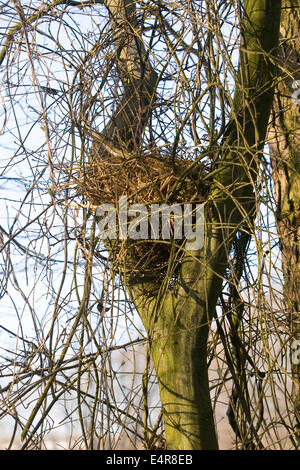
(144, 343)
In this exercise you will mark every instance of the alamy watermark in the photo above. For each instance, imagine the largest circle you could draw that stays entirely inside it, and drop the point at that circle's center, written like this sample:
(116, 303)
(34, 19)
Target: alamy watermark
(153, 222)
(296, 93)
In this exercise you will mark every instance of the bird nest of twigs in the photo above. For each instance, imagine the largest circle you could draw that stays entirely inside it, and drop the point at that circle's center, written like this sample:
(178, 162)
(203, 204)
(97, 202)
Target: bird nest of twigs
(153, 178)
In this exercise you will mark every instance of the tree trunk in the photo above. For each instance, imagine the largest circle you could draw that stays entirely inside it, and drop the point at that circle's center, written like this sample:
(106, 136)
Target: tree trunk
(177, 329)
(284, 135)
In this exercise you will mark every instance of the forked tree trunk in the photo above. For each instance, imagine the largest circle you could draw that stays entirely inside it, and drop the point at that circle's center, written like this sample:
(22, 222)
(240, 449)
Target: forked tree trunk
(284, 135)
(177, 319)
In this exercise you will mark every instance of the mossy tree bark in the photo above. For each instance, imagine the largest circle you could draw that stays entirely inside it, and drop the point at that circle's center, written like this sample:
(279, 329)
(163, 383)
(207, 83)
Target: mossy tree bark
(177, 319)
(284, 135)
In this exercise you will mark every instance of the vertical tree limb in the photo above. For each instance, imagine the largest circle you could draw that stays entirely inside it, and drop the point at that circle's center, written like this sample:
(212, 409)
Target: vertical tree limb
(284, 145)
